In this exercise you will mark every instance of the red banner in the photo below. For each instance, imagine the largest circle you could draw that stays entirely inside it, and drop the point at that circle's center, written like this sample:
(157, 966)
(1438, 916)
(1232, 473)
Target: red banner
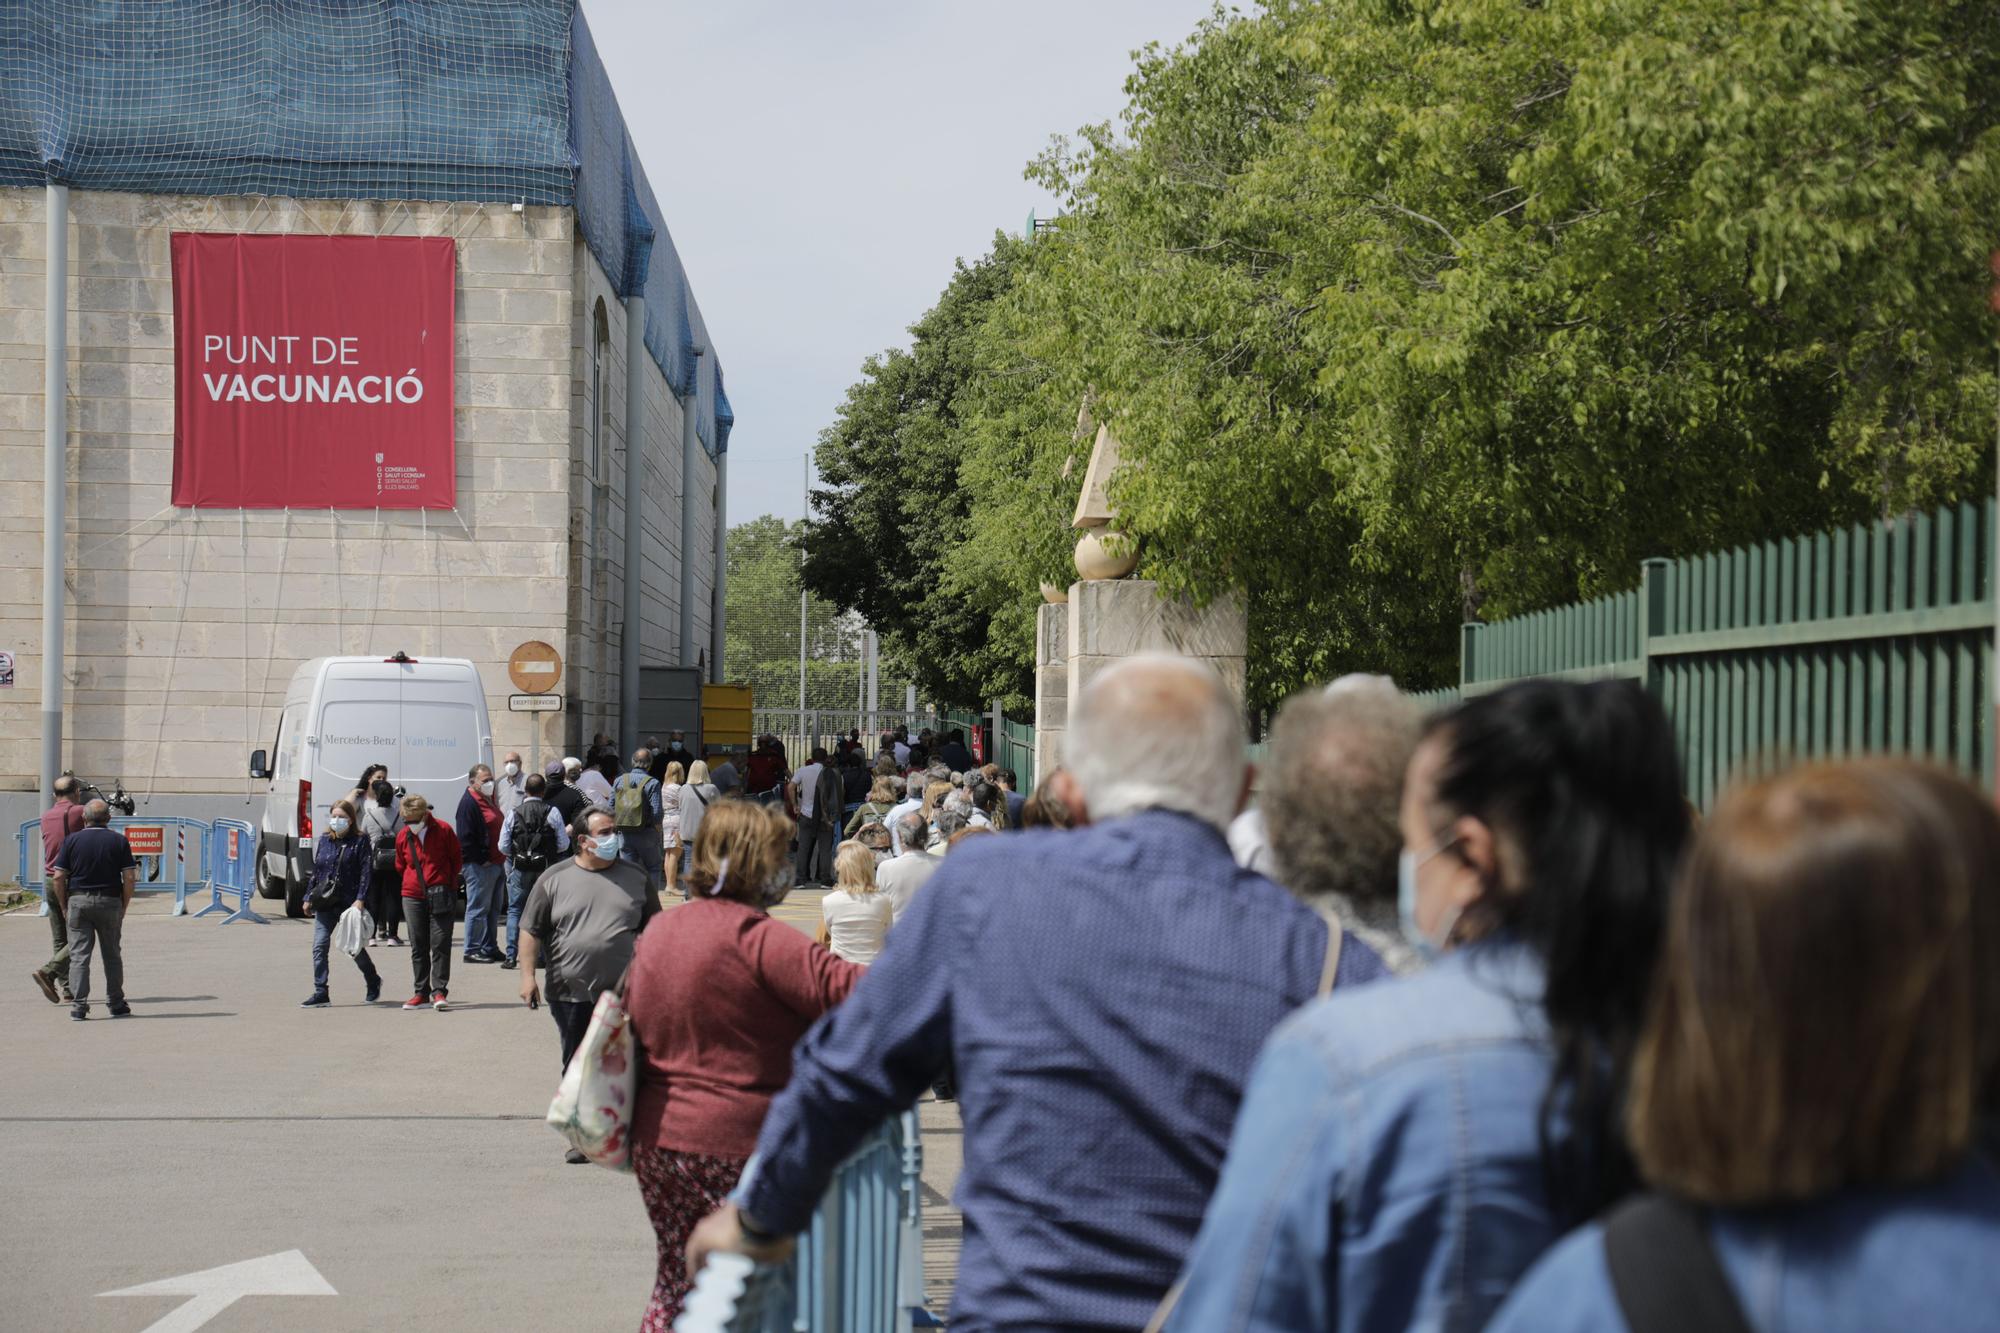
(313, 371)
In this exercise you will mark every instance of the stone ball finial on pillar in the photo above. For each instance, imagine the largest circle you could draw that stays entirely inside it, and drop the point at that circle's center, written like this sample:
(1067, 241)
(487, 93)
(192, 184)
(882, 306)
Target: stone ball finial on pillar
(1104, 553)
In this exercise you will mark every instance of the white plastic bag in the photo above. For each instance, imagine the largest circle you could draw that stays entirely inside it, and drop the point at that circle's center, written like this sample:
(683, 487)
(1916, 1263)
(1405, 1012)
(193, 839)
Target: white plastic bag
(593, 1105)
(354, 929)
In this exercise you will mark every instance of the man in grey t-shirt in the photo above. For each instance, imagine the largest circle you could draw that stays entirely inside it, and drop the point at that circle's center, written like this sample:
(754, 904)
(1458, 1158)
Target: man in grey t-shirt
(583, 918)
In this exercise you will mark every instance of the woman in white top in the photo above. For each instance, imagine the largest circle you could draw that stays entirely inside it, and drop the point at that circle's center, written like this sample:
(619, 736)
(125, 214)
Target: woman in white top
(670, 821)
(855, 916)
(697, 794)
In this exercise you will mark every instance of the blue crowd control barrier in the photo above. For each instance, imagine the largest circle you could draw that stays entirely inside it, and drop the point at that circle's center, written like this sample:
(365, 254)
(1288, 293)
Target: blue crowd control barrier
(858, 1268)
(233, 871)
(173, 854)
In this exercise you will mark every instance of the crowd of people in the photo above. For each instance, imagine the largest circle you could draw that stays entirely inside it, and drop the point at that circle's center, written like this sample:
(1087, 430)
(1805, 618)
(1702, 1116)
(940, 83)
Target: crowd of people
(1584, 1065)
(1466, 1021)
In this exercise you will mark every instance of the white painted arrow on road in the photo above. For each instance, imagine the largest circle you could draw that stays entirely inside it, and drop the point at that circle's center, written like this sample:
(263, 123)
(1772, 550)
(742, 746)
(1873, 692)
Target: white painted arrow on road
(216, 1289)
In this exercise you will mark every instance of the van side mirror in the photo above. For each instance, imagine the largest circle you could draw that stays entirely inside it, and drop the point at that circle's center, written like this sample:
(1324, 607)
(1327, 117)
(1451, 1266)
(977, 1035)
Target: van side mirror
(259, 768)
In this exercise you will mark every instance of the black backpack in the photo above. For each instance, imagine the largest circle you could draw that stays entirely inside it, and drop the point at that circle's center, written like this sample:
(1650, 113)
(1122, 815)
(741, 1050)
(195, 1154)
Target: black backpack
(532, 843)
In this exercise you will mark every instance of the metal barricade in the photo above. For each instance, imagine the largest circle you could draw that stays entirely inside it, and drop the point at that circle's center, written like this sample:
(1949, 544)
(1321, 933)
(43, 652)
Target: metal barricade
(858, 1269)
(173, 854)
(233, 871)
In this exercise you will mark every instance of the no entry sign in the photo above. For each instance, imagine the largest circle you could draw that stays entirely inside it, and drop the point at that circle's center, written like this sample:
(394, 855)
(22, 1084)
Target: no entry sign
(313, 371)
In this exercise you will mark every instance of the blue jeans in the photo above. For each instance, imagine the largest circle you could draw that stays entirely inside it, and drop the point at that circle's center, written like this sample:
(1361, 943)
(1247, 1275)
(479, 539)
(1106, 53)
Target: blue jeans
(324, 920)
(517, 899)
(483, 908)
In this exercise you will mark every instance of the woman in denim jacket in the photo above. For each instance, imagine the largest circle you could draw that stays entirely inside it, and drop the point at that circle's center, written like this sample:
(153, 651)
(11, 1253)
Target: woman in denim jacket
(1406, 1150)
(1819, 1062)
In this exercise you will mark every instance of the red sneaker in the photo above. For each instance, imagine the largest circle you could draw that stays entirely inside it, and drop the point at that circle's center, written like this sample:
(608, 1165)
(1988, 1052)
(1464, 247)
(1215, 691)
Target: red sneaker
(439, 1003)
(417, 1001)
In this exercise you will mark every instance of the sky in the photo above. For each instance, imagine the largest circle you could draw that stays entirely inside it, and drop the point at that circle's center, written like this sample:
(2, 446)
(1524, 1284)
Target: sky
(821, 166)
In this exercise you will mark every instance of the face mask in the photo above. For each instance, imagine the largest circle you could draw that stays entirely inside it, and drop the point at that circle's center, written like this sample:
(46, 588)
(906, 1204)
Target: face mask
(338, 824)
(511, 770)
(487, 786)
(1407, 862)
(608, 845)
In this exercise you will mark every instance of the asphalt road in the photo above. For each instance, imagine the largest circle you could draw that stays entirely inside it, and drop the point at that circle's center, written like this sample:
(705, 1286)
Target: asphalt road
(402, 1154)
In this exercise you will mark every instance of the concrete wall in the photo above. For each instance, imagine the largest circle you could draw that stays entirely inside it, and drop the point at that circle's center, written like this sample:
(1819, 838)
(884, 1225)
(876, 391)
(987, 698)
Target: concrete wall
(184, 625)
(596, 558)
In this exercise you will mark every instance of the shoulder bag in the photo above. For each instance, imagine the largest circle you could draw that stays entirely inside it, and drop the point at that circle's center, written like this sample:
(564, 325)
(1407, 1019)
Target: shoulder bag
(1665, 1271)
(594, 1102)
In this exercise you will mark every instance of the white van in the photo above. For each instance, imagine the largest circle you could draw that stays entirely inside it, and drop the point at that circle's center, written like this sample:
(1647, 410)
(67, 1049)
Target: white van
(425, 719)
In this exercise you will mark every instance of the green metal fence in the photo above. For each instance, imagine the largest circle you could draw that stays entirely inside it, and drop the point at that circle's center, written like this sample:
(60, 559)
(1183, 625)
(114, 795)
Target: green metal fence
(1870, 639)
(1014, 748)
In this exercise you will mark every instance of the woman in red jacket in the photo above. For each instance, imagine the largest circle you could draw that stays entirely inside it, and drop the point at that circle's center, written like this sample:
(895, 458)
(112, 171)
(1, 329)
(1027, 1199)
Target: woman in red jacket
(719, 993)
(427, 857)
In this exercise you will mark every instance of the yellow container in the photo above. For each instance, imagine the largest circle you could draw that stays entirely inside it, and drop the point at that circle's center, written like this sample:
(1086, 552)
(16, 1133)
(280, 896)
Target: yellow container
(725, 722)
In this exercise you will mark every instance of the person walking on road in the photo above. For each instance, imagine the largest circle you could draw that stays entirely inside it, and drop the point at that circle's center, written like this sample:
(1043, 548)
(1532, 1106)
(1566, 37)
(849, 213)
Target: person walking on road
(341, 866)
(855, 917)
(582, 920)
(93, 877)
(720, 992)
(1482, 1099)
(366, 785)
(697, 795)
(1096, 1111)
(596, 788)
(567, 800)
(428, 858)
(635, 808)
(58, 822)
(903, 874)
(379, 826)
(533, 838)
(818, 790)
(670, 822)
(875, 810)
(478, 828)
(1813, 1090)
(511, 787)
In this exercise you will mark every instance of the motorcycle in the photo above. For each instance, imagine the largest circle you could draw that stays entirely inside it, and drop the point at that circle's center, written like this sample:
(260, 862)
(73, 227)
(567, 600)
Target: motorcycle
(117, 798)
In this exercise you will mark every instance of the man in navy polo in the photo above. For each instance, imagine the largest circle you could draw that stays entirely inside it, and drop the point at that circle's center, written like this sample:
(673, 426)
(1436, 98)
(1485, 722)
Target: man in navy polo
(92, 879)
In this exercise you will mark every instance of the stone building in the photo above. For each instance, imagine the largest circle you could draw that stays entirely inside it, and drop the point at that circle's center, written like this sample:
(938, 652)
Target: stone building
(184, 625)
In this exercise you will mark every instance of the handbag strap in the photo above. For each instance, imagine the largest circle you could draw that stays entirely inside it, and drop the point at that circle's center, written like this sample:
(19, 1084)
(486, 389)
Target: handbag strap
(1665, 1271)
(1330, 971)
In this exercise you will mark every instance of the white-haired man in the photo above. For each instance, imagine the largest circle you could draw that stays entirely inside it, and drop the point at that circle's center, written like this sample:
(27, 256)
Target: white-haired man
(1101, 994)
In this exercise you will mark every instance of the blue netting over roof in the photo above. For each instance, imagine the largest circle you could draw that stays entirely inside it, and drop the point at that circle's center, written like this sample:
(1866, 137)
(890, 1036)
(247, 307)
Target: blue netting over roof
(495, 100)
(625, 228)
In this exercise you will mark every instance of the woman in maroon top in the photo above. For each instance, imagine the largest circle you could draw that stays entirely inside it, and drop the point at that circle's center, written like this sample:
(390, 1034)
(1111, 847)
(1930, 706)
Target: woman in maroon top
(719, 993)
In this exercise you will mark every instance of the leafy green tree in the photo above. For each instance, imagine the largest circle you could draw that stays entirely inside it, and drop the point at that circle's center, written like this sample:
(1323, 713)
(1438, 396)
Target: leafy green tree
(892, 510)
(763, 627)
(1413, 311)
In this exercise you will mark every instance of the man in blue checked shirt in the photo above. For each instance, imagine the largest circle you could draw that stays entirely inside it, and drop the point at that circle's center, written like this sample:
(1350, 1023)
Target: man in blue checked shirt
(1101, 993)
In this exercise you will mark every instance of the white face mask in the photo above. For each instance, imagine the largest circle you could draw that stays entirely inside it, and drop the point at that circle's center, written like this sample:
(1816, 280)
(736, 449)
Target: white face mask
(487, 787)
(338, 824)
(511, 769)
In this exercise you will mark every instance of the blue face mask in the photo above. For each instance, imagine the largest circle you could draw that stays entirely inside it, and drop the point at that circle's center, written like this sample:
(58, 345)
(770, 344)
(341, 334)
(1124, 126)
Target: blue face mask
(1406, 905)
(608, 845)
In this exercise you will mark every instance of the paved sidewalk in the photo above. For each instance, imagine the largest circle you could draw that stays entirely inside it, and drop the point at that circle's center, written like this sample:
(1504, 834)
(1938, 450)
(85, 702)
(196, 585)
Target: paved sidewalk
(402, 1153)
